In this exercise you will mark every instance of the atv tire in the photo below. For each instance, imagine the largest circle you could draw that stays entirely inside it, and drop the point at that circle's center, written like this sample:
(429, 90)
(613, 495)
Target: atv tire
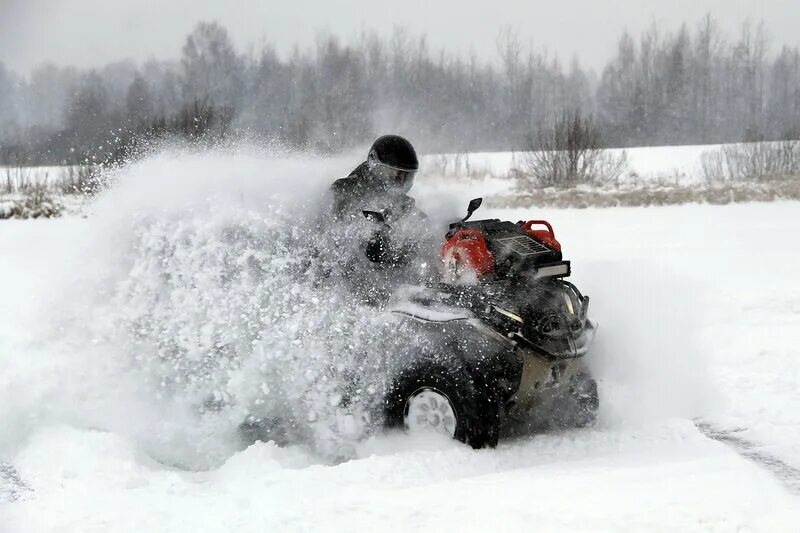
(476, 412)
(578, 408)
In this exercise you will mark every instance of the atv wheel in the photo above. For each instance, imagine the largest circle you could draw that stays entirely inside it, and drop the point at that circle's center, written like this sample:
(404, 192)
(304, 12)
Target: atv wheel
(435, 400)
(428, 409)
(579, 407)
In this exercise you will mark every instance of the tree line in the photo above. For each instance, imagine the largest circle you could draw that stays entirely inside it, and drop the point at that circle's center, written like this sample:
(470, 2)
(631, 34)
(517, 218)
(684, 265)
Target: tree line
(693, 85)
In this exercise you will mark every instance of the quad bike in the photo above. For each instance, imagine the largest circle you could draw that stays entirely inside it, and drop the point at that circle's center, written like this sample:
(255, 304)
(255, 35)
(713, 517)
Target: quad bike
(496, 344)
(504, 337)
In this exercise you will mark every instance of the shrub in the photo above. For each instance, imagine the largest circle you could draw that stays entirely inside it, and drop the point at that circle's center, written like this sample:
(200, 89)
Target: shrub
(756, 161)
(33, 202)
(570, 152)
(85, 179)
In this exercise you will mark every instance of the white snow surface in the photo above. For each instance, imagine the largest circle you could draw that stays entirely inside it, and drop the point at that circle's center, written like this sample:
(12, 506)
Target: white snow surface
(672, 164)
(699, 319)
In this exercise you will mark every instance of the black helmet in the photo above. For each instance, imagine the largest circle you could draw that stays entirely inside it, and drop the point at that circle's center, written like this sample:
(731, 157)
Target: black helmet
(393, 160)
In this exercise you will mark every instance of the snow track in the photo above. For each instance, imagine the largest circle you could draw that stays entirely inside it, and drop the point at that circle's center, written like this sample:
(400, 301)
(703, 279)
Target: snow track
(666, 476)
(610, 479)
(789, 475)
(691, 328)
(11, 485)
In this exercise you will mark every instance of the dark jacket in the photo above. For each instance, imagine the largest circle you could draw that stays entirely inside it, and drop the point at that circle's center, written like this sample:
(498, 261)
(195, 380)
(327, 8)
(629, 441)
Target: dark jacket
(362, 191)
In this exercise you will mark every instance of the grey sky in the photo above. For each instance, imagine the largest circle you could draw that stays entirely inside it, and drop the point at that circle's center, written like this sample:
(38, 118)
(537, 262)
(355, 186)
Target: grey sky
(95, 32)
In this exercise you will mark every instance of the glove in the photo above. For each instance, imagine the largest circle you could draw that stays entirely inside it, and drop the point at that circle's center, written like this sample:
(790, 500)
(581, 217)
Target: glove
(377, 249)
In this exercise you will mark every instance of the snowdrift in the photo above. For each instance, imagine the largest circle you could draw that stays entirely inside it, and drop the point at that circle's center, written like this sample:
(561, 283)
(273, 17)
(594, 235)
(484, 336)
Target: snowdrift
(221, 299)
(136, 340)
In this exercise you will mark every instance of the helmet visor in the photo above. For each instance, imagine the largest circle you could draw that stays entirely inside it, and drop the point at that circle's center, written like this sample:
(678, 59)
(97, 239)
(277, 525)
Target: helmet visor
(395, 177)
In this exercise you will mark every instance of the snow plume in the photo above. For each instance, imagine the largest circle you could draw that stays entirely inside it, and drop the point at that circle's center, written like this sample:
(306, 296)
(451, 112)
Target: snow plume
(203, 291)
(647, 354)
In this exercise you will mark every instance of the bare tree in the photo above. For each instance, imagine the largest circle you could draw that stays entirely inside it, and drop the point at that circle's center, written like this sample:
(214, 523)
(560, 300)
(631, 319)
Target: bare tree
(211, 68)
(570, 152)
(87, 112)
(687, 86)
(138, 101)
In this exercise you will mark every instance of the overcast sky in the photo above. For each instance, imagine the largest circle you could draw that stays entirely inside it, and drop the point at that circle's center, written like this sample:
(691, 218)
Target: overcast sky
(95, 32)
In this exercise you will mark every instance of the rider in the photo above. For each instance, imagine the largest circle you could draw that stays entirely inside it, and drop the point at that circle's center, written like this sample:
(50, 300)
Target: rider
(381, 184)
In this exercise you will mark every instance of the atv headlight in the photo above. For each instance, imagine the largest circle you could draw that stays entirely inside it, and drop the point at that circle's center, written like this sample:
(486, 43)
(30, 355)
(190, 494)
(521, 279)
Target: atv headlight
(556, 270)
(568, 302)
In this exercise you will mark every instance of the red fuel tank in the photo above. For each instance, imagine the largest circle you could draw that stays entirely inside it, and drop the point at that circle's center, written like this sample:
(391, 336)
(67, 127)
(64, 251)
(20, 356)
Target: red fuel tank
(547, 236)
(467, 250)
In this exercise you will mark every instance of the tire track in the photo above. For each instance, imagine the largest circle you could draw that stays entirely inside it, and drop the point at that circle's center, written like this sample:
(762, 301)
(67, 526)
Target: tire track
(11, 485)
(787, 474)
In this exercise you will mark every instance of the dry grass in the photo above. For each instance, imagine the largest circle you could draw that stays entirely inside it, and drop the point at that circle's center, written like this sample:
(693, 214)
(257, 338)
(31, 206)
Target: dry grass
(84, 180)
(37, 202)
(27, 193)
(652, 195)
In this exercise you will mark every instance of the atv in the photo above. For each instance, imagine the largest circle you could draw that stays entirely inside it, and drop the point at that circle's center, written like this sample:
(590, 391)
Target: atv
(503, 338)
(496, 344)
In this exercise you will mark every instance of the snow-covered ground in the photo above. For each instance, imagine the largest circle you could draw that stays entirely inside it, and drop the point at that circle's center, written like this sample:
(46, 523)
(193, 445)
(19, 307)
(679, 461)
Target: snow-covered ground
(671, 164)
(668, 163)
(699, 312)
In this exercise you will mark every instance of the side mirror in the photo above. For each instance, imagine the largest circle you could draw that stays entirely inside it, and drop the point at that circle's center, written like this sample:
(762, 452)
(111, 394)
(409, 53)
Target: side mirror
(375, 216)
(473, 206)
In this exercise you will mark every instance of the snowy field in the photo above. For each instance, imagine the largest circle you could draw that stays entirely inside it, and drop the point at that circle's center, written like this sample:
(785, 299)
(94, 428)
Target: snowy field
(671, 164)
(699, 430)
